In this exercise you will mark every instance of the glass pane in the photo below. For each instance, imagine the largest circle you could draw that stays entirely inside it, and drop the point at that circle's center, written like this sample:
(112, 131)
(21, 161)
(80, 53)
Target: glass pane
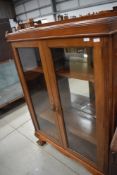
(37, 87)
(66, 57)
(29, 57)
(74, 74)
(39, 96)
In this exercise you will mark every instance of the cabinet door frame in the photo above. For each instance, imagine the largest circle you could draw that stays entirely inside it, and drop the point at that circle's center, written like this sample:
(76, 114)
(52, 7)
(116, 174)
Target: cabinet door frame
(32, 44)
(102, 84)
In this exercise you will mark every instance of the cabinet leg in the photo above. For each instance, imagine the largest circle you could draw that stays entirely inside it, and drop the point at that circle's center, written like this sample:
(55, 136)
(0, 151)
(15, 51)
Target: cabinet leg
(41, 142)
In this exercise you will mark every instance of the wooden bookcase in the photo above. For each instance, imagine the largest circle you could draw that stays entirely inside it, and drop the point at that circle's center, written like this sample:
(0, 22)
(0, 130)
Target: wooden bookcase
(68, 73)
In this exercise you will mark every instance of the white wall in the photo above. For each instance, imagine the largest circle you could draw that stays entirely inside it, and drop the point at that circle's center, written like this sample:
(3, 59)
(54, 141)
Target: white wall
(45, 13)
(67, 5)
(41, 9)
(85, 11)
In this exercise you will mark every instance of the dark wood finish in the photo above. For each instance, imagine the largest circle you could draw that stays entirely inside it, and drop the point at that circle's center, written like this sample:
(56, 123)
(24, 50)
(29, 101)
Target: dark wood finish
(98, 32)
(100, 107)
(113, 152)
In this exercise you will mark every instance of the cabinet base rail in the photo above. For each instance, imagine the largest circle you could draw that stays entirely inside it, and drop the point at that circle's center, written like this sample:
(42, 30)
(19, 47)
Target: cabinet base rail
(43, 139)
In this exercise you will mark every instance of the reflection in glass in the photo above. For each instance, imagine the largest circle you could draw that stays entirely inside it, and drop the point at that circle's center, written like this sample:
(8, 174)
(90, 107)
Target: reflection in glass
(79, 115)
(30, 59)
(40, 100)
(73, 59)
(74, 71)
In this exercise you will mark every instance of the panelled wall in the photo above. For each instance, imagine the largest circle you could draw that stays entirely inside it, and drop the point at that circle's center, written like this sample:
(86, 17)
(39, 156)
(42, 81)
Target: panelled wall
(33, 9)
(49, 9)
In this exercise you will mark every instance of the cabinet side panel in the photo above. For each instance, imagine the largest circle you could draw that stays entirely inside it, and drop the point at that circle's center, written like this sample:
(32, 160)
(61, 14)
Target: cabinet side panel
(113, 155)
(114, 80)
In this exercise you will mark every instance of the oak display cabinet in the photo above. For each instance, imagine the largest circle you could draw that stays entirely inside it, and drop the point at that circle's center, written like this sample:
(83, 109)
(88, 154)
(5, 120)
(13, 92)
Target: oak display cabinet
(68, 74)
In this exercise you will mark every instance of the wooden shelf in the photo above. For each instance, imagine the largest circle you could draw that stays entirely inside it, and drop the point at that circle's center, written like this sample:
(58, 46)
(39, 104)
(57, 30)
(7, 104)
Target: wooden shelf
(48, 127)
(48, 114)
(80, 125)
(83, 147)
(84, 104)
(77, 123)
(33, 73)
(38, 69)
(77, 70)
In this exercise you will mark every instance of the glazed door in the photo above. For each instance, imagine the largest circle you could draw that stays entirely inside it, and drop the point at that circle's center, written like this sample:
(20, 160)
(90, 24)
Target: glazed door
(37, 92)
(80, 88)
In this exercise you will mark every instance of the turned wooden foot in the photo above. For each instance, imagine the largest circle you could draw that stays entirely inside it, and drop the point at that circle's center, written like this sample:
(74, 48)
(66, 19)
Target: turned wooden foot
(41, 142)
